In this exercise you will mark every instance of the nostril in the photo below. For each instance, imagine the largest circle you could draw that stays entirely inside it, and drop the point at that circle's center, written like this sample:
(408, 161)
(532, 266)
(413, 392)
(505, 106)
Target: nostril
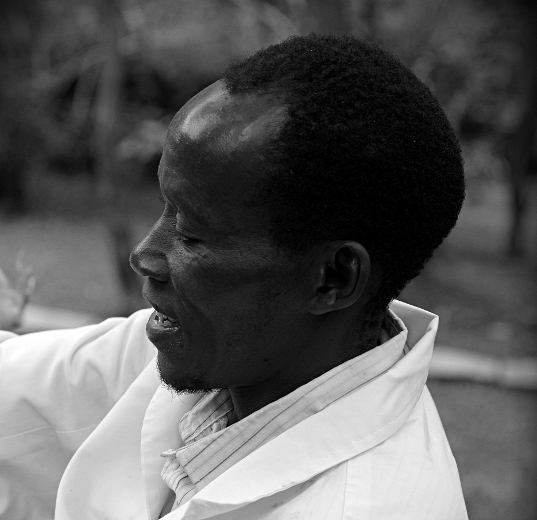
(148, 263)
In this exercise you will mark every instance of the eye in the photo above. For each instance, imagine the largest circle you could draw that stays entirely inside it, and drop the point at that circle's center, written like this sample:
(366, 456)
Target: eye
(189, 241)
(174, 219)
(180, 235)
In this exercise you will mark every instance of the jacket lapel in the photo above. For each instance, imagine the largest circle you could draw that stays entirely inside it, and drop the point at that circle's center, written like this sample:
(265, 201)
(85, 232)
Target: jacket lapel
(103, 478)
(139, 428)
(160, 433)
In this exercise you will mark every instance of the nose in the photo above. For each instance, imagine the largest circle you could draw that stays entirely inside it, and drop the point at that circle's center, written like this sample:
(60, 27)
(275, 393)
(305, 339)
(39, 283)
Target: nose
(148, 261)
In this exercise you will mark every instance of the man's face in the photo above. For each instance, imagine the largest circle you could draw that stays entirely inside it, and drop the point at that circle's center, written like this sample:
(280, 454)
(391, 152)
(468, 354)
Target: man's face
(235, 302)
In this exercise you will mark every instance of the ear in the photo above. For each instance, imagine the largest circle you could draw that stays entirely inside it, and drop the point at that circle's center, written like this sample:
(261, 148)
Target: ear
(342, 274)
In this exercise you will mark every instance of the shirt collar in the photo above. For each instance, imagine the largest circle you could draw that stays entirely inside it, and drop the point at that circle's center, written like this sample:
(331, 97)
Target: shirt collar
(212, 413)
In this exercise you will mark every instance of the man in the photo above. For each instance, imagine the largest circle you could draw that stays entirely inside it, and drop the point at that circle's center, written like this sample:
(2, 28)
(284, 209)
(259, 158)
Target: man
(301, 193)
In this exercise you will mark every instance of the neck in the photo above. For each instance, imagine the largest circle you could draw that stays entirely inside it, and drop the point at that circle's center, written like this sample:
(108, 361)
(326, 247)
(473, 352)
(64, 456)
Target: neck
(337, 338)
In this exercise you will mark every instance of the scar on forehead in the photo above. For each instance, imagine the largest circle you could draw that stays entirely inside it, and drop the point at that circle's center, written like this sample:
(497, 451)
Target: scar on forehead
(200, 118)
(239, 118)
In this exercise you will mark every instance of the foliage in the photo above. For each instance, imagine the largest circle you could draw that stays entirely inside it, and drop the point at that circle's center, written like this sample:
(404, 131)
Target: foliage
(173, 48)
(13, 299)
(467, 51)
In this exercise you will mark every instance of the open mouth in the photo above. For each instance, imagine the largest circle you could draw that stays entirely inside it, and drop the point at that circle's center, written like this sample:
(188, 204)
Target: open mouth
(161, 320)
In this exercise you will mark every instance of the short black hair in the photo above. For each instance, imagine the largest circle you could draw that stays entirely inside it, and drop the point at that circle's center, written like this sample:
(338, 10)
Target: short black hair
(367, 153)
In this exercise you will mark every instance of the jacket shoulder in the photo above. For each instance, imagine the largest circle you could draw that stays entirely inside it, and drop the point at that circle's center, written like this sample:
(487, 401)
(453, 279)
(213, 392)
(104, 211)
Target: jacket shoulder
(412, 475)
(55, 387)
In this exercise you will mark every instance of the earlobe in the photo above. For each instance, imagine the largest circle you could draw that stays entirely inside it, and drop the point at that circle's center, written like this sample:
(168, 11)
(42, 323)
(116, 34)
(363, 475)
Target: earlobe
(343, 272)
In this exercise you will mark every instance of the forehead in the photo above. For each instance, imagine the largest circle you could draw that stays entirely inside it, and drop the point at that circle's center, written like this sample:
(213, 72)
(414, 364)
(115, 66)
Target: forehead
(214, 112)
(213, 155)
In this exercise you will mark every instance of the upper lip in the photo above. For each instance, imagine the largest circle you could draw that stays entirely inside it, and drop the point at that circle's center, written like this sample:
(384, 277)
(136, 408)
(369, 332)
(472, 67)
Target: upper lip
(158, 308)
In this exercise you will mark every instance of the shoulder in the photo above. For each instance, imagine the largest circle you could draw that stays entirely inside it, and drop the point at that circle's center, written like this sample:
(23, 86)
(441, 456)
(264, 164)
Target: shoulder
(56, 376)
(412, 475)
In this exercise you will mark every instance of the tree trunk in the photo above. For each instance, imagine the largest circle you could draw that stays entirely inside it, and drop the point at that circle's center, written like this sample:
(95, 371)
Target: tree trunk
(12, 170)
(107, 106)
(520, 143)
(112, 190)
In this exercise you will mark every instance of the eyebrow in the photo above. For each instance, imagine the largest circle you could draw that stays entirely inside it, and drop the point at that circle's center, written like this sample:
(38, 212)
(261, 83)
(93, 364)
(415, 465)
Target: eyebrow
(188, 211)
(192, 215)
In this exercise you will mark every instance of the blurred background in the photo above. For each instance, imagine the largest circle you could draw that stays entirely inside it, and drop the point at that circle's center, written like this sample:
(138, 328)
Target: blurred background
(88, 87)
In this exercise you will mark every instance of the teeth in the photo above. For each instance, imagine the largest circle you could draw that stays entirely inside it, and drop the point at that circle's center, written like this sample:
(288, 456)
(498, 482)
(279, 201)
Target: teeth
(164, 320)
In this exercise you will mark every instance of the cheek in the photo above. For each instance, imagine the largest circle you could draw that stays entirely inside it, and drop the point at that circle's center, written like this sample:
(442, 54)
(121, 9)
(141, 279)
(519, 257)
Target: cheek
(207, 274)
(226, 296)
(205, 290)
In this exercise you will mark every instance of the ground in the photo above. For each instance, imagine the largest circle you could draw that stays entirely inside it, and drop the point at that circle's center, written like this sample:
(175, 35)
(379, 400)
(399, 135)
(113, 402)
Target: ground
(485, 303)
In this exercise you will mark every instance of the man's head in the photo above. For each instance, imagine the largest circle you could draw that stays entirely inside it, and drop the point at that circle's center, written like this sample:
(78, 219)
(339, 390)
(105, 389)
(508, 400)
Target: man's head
(367, 154)
(309, 162)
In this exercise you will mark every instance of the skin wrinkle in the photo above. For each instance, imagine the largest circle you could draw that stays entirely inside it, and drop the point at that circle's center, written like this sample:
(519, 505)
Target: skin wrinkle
(253, 318)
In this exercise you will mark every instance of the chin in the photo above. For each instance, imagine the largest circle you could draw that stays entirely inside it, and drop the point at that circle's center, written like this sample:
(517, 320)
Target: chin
(181, 383)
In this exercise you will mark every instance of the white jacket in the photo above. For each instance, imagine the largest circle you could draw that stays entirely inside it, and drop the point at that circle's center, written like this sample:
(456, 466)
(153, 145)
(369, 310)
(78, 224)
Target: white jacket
(380, 452)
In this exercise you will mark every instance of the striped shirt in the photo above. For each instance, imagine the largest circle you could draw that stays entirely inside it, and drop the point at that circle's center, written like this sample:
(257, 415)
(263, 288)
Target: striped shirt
(214, 441)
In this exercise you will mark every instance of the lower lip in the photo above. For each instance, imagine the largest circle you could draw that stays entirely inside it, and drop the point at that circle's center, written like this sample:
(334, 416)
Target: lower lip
(157, 333)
